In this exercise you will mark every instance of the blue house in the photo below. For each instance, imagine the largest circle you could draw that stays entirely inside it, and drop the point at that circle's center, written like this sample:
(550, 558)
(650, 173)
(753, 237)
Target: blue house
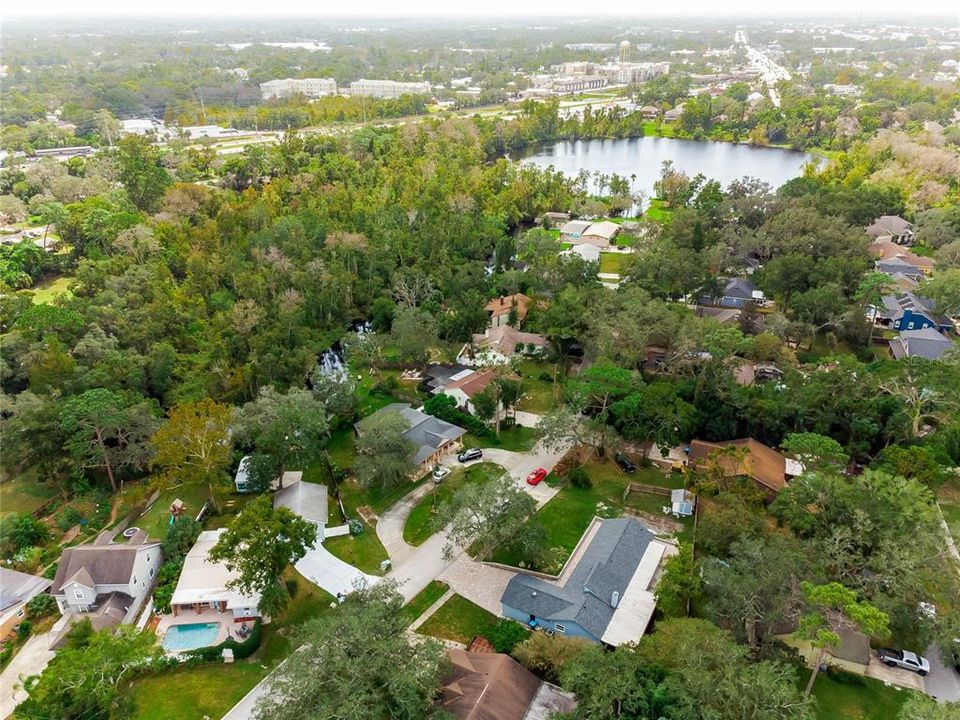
(736, 294)
(607, 595)
(907, 311)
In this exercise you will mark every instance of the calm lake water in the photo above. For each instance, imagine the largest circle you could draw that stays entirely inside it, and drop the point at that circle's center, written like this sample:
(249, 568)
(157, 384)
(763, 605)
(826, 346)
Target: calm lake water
(643, 157)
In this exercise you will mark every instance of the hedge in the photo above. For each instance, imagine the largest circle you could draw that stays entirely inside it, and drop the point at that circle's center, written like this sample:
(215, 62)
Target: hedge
(242, 649)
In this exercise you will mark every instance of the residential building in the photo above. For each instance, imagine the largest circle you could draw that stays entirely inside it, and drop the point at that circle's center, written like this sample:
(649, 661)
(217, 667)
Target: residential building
(308, 87)
(745, 458)
(500, 309)
(16, 590)
(626, 73)
(574, 228)
(674, 113)
(432, 437)
(649, 112)
(600, 233)
(552, 218)
(927, 343)
(388, 88)
(606, 592)
(893, 259)
(906, 311)
(306, 499)
(438, 375)
(498, 344)
(466, 387)
(891, 228)
(90, 577)
(736, 293)
(494, 686)
(205, 584)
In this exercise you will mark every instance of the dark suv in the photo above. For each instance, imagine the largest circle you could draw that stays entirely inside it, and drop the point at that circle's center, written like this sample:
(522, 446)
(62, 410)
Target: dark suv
(625, 463)
(471, 454)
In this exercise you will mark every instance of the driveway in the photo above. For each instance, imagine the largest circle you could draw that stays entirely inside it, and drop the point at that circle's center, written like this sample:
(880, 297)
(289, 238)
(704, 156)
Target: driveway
(943, 682)
(330, 572)
(31, 660)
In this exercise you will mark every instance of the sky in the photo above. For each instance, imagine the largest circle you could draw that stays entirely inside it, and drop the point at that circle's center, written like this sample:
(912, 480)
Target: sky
(446, 8)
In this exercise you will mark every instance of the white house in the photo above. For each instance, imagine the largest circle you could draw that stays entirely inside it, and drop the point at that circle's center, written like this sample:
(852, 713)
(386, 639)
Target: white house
(88, 574)
(16, 590)
(204, 584)
(498, 344)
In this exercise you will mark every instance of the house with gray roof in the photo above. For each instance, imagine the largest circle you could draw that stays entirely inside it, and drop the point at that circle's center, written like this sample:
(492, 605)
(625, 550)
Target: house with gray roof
(432, 436)
(893, 228)
(16, 590)
(737, 292)
(907, 311)
(927, 343)
(306, 499)
(605, 594)
(899, 266)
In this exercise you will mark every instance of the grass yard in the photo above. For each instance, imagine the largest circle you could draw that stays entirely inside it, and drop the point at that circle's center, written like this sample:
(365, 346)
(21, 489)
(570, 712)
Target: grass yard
(211, 690)
(157, 519)
(538, 392)
(423, 600)
(460, 620)
(842, 696)
(419, 525)
(517, 439)
(48, 289)
(364, 551)
(23, 493)
(658, 212)
(567, 516)
(613, 262)
(342, 447)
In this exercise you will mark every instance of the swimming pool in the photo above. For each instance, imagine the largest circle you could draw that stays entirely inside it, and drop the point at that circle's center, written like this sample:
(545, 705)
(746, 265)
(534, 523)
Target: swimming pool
(190, 637)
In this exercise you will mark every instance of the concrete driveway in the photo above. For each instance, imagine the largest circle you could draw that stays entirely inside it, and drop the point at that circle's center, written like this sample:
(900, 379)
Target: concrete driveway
(31, 660)
(943, 682)
(331, 573)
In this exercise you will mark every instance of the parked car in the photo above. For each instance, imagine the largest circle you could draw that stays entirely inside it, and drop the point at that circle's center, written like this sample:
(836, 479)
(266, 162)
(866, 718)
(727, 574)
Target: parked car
(536, 476)
(625, 463)
(471, 454)
(440, 473)
(905, 659)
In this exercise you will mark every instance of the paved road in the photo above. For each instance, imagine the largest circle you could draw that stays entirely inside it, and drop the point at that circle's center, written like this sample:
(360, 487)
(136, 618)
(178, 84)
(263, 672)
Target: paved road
(31, 660)
(943, 682)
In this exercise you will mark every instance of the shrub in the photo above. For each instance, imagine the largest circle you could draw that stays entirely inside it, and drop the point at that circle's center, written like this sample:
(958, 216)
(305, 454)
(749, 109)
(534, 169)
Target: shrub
(51, 572)
(68, 517)
(24, 629)
(545, 376)
(241, 650)
(506, 635)
(355, 525)
(579, 478)
(547, 654)
(41, 605)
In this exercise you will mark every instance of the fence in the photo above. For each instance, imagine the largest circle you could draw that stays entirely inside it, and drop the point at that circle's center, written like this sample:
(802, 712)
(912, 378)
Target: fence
(640, 487)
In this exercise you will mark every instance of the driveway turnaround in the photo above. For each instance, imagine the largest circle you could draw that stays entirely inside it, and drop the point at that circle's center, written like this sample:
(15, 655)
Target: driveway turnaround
(330, 573)
(31, 660)
(943, 682)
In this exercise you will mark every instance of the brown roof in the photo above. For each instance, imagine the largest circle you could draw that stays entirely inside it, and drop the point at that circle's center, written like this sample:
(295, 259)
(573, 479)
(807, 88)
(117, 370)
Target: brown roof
(886, 250)
(505, 339)
(480, 645)
(488, 686)
(473, 383)
(92, 565)
(763, 464)
(502, 305)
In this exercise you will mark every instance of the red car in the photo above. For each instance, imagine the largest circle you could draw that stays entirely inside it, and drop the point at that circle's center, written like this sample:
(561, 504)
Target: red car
(536, 476)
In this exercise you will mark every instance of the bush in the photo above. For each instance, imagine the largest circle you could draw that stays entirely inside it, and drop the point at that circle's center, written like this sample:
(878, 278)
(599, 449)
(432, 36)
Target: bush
(579, 478)
(68, 517)
(506, 635)
(546, 655)
(41, 605)
(545, 376)
(51, 572)
(241, 650)
(355, 525)
(24, 629)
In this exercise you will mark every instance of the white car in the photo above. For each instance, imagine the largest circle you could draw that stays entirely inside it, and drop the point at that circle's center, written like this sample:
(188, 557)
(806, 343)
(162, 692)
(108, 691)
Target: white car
(904, 659)
(440, 473)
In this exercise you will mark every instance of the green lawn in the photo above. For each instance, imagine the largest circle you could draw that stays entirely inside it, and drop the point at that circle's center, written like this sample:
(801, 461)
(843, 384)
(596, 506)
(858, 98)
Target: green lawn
(211, 690)
(538, 394)
(567, 516)
(49, 288)
(460, 620)
(517, 439)
(342, 447)
(843, 696)
(658, 212)
(23, 493)
(364, 551)
(423, 600)
(419, 524)
(157, 519)
(613, 262)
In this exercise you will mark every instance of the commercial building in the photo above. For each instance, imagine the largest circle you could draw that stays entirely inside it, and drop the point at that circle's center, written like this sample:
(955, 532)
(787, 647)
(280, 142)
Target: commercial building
(388, 88)
(143, 126)
(288, 87)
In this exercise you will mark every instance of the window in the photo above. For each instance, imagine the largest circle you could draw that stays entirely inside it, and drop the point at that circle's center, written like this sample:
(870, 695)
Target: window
(910, 325)
(559, 628)
(20, 613)
(151, 572)
(148, 557)
(78, 593)
(134, 579)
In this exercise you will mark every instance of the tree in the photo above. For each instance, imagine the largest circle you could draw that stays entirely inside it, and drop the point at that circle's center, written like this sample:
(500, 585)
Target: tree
(85, 679)
(259, 545)
(679, 584)
(20, 531)
(414, 332)
(194, 445)
(815, 451)
(105, 432)
(180, 537)
(141, 171)
(357, 664)
(944, 289)
(547, 655)
(291, 427)
(924, 707)
(384, 454)
(834, 609)
(492, 514)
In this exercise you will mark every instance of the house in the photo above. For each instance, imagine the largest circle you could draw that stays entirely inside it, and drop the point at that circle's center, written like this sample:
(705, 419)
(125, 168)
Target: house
(892, 259)
(649, 112)
(720, 314)
(736, 294)
(607, 596)
(465, 388)
(92, 577)
(494, 686)
(438, 375)
(577, 232)
(674, 114)
(499, 309)
(574, 228)
(306, 499)
(553, 219)
(750, 458)
(892, 228)
(907, 311)
(498, 344)
(900, 266)
(16, 590)
(432, 437)
(205, 584)
(927, 343)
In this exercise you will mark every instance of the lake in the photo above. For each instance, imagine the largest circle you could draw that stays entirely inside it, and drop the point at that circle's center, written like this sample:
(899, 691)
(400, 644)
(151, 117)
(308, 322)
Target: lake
(643, 157)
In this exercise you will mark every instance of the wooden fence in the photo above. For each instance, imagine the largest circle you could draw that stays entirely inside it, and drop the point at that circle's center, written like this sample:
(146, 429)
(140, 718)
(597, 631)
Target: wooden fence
(640, 487)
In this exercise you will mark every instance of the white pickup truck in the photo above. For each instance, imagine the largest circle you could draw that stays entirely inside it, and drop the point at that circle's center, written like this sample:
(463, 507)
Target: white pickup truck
(905, 659)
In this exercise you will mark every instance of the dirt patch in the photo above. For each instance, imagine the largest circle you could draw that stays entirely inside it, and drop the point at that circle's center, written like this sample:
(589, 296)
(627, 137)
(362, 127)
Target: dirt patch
(661, 524)
(368, 515)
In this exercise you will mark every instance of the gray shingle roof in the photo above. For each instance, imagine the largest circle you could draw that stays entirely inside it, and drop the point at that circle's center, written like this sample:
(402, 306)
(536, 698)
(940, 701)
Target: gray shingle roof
(739, 287)
(17, 587)
(98, 564)
(899, 265)
(607, 566)
(426, 432)
(927, 343)
(306, 499)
